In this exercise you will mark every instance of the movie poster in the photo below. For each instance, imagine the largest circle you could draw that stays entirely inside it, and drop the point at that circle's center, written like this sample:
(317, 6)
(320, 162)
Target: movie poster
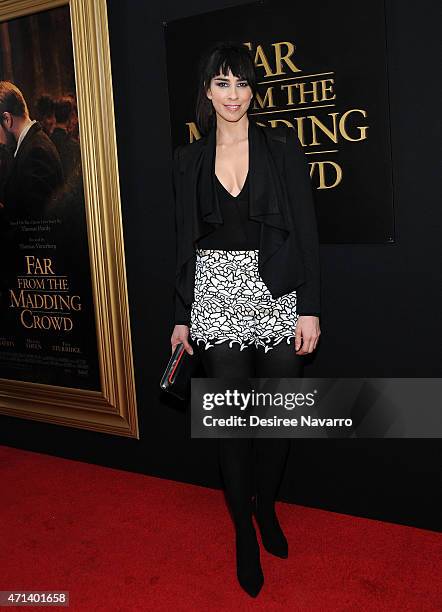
(47, 321)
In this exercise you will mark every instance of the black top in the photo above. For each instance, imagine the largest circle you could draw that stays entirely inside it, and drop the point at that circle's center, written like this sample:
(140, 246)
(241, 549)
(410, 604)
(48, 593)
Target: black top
(238, 232)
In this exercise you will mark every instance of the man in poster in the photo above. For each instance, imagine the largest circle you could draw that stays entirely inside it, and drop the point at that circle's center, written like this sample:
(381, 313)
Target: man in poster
(32, 175)
(36, 172)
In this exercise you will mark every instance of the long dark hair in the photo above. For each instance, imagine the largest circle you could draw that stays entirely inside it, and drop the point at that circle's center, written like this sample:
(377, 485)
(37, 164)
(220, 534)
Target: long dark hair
(218, 59)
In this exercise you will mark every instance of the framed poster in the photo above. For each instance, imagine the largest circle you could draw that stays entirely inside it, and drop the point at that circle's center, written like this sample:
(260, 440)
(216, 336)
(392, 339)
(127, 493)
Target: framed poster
(65, 343)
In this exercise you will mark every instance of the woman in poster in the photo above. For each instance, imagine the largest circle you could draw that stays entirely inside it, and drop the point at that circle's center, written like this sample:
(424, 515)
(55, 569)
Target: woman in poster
(247, 279)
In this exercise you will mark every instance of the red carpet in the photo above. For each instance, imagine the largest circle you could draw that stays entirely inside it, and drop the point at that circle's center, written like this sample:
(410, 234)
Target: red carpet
(119, 541)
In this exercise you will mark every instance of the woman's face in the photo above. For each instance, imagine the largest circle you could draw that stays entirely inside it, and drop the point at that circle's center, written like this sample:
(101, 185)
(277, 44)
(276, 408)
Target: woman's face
(230, 96)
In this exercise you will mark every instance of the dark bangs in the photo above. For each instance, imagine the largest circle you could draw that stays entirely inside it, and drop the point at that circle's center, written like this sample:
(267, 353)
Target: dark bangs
(219, 59)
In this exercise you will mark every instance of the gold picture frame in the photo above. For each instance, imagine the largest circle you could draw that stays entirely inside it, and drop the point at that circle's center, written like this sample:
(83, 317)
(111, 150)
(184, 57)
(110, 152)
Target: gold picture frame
(113, 409)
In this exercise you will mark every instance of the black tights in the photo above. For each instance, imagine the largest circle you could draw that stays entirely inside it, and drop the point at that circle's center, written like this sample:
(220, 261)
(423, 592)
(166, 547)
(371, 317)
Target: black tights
(279, 362)
(251, 466)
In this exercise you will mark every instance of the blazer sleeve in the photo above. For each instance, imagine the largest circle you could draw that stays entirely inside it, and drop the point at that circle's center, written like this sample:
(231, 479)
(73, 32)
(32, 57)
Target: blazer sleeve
(303, 206)
(182, 312)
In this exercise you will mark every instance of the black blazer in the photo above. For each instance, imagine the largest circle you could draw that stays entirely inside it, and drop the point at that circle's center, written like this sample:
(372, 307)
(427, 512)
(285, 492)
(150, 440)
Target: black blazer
(35, 175)
(281, 199)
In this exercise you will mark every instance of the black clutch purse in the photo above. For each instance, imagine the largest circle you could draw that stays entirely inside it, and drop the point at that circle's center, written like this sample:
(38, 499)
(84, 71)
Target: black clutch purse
(179, 371)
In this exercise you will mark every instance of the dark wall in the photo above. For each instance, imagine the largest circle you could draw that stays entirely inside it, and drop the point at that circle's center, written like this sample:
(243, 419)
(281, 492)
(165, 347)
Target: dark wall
(382, 303)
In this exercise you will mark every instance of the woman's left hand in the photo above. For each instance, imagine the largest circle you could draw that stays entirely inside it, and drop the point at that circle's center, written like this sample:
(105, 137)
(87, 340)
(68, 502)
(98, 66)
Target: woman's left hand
(307, 333)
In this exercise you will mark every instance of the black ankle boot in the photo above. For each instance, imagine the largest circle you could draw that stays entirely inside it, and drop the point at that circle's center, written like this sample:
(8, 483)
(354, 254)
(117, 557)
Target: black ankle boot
(273, 538)
(248, 562)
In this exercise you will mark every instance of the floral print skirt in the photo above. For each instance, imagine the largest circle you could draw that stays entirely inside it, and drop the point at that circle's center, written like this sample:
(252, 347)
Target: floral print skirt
(232, 303)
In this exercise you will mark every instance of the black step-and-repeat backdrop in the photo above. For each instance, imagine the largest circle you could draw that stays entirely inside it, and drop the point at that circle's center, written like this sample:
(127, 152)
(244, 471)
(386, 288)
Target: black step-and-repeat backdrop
(323, 71)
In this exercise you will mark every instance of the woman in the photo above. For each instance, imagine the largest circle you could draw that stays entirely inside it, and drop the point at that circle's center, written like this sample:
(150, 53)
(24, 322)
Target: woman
(247, 277)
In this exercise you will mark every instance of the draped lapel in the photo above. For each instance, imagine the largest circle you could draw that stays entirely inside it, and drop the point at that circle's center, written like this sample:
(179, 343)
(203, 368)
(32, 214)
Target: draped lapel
(207, 193)
(266, 201)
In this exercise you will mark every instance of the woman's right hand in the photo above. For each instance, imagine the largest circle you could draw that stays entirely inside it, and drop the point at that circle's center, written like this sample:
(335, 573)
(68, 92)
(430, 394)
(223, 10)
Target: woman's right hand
(181, 334)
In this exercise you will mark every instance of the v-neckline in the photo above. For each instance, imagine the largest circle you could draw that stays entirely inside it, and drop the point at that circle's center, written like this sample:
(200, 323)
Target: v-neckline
(228, 192)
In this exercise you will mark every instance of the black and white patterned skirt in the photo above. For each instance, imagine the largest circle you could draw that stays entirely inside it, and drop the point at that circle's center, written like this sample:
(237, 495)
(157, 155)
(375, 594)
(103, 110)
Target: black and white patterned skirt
(232, 303)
